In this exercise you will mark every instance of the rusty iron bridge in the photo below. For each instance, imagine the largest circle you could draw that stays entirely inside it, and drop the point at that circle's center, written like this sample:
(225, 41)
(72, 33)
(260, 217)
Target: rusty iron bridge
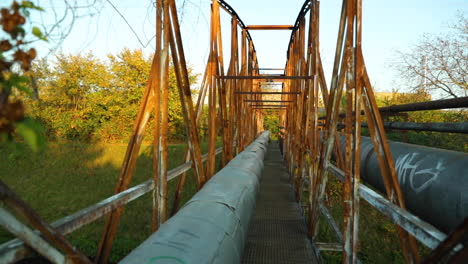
(265, 203)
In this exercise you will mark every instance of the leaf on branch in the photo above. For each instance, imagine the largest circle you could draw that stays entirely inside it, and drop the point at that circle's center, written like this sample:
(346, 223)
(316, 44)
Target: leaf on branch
(31, 5)
(33, 134)
(21, 83)
(38, 33)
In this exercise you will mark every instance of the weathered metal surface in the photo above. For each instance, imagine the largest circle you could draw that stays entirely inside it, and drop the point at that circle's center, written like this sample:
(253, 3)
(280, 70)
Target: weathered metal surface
(277, 232)
(15, 250)
(264, 77)
(461, 102)
(461, 128)
(329, 246)
(268, 101)
(307, 157)
(423, 231)
(23, 210)
(270, 27)
(212, 226)
(10, 223)
(453, 248)
(268, 105)
(431, 105)
(435, 127)
(270, 69)
(432, 180)
(267, 92)
(331, 221)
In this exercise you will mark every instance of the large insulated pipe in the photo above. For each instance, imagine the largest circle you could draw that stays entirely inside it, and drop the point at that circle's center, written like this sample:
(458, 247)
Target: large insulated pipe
(212, 226)
(434, 182)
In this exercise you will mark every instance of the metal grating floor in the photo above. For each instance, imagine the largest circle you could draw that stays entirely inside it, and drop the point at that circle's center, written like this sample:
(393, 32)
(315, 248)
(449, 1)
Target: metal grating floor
(277, 232)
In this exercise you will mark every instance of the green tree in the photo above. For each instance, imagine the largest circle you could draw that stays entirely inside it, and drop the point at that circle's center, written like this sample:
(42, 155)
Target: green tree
(83, 97)
(16, 56)
(76, 76)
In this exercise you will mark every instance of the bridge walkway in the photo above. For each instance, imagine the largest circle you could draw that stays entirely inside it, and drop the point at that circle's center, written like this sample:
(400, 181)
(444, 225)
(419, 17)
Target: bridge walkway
(277, 232)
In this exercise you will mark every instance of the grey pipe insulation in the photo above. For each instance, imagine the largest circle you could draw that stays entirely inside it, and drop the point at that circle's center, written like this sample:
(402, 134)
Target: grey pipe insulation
(212, 226)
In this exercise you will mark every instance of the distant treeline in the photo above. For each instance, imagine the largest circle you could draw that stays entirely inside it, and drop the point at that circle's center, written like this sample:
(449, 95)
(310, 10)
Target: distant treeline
(81, 97)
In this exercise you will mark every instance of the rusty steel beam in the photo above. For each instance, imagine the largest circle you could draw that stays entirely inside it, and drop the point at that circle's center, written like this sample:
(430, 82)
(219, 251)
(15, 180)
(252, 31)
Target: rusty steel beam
(294, 93)
(264, 77)
(267, 105)
(269, 101)
(421, 230)
(274, 109)
(268, 84)
(269, 27)
(10, 223)
(11, 200)
(15, 250)
(226, 7)
(270, 69)
(331, 221)
(270, 108)
(452, 243)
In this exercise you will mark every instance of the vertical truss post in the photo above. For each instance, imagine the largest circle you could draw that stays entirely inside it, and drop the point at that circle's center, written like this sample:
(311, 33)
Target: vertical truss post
(229, 131)
(242, 106)
(222, 96)
(160, 176)
(329, 131)
(352, 134)
(213, 87)
(312, 133)
(156, 98)
(232, 87)
(190, 115)
(386, 164)
(128, 166)
(157, 113)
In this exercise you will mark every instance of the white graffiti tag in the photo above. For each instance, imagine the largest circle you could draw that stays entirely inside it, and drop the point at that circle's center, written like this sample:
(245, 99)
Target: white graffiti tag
(407, 170)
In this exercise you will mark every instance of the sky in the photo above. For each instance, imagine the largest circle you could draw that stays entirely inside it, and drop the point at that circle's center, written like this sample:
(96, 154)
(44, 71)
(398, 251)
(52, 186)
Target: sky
(388, 26)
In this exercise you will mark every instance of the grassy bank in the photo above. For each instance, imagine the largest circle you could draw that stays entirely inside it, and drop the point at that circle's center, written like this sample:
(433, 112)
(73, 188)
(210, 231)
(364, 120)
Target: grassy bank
(378, 236)
(68, 177)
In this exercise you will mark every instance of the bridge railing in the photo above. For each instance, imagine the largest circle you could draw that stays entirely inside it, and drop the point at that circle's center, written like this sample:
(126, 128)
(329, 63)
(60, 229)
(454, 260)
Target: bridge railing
(237, 124)
(18, 249)
(310, 141)
(235, 112)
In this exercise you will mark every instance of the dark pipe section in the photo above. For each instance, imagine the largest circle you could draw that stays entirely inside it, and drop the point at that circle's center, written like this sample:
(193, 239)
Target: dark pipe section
(434, 182)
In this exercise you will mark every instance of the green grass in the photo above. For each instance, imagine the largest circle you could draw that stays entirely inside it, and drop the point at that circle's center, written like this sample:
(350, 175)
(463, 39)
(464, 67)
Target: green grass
(70, 176)
(378, 236)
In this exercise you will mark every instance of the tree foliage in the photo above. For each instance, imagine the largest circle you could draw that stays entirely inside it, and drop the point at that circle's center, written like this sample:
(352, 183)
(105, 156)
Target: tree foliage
(15, 61)
(271, 122)
(438, 63)
(83, 97)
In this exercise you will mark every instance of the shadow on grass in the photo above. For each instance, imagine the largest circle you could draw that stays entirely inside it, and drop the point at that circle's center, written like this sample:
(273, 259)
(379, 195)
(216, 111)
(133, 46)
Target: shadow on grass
(68, 177)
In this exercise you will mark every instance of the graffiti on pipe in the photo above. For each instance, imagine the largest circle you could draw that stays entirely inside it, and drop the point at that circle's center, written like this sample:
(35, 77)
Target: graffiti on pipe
(419, 179)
